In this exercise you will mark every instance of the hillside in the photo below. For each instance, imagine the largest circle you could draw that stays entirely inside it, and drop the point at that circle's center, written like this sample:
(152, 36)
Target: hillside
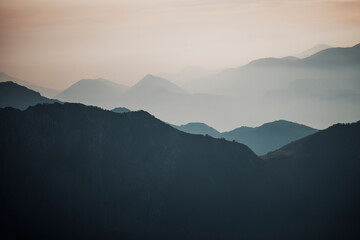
(47, 92)
(98, 92)
(198, 128)
(89, 173)
(263, 139)
(269, 136)
(321, 175)
(16, 96)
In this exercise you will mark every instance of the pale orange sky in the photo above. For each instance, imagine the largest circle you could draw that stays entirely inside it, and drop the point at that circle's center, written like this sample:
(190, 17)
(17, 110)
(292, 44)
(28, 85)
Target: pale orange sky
(55, 43)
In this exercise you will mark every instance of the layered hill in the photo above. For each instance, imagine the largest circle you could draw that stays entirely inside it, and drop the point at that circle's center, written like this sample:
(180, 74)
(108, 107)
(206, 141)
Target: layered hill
(20, 97)
(199, 128)
(263, 139)
(98, 92)
(320, 173)
(73, 171)
(269, 136)
(47, 92)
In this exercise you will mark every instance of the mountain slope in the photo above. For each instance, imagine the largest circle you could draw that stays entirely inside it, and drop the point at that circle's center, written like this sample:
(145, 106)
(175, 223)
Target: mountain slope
(72, 172)
(270, 73)
(47, 92)
(198, 128)
(263, 139)
(89, 173)
(312, 51)
(321, 175)
(269, 136)
(16, 96)
(99, 92)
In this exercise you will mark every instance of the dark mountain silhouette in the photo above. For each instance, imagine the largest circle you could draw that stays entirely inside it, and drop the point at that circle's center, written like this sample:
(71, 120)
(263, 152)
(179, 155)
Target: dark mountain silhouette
(121, 110)
(269, 136)
(47, 92)
(70, 171)
(98, 92)
(320, 173)
(74, 171)
(16, 96)
(199, 128)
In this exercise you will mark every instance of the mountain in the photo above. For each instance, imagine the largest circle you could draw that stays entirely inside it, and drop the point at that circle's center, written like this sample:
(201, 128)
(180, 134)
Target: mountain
(263, 139)
(269, 136)
(151, 84)
(269, 73)
(199, 128)
(312, 51)
(120, 110)
(75, 171)
(20, 97)
(47, 92)
(99, 92)
(70, 171)
(334, 57)
(172, 103)
(321, 175)
(319, 90)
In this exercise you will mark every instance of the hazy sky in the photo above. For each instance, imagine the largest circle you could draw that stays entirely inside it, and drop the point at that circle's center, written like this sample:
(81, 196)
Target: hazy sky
(57, 42)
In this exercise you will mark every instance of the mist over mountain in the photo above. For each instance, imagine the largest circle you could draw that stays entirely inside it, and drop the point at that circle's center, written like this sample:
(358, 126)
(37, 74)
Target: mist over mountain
(312, 51)
(275, 71)
(187, 74)
(47, 92)
(73, 171)
(312, 90)
(20, 97)
(98, 92)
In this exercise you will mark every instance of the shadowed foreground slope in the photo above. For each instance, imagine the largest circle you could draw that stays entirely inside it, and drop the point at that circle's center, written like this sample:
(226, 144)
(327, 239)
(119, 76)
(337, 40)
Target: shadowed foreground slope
(17, 96)
(321, 176)
(76, 171)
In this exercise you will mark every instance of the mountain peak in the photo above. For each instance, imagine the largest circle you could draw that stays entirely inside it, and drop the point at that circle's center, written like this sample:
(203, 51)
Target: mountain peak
(151, 82)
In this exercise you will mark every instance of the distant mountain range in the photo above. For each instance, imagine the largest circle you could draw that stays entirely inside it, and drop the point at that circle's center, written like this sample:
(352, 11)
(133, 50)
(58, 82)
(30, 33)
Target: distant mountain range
(70, 171)
(274, 71)
(318, 90)
(47, 92)
(98, 92)
(263, 139)
(187, 74)
(20, 97)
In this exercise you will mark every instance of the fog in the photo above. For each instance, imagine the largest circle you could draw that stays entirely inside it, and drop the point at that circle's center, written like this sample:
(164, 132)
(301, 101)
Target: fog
(56, 43)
